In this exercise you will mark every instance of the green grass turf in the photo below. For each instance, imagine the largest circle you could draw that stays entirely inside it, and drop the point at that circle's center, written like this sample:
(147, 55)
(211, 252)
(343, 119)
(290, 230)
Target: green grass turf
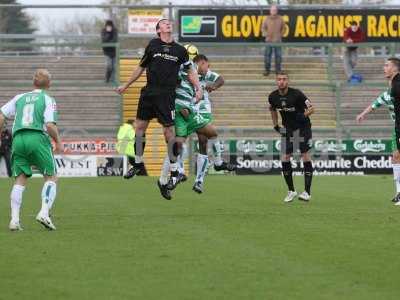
(118, 239)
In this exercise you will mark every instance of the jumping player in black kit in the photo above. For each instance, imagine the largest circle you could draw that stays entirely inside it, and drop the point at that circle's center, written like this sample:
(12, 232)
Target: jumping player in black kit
(295, 109)
(162, 60)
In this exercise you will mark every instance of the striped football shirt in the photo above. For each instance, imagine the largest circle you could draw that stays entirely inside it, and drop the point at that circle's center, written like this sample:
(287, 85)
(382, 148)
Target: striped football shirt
(384, 99)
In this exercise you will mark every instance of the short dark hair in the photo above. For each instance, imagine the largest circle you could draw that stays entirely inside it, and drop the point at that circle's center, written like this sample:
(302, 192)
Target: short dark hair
(395, 61)
(282, 73)
(200, 57)
(353, 23)
(109, 23)
(130, 121)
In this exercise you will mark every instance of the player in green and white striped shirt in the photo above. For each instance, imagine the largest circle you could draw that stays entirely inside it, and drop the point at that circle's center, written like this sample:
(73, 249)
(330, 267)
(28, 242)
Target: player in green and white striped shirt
(187, 121)
(384, 99)
(35, 117)
(209, 81)
(192, 117)
(185, 92)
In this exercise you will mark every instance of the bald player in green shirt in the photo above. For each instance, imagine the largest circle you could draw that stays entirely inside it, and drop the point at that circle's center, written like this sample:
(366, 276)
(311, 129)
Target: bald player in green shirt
(35, 118)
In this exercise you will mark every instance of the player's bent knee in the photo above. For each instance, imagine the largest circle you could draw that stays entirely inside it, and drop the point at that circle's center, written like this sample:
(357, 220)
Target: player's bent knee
(21, 179)
(209, 131)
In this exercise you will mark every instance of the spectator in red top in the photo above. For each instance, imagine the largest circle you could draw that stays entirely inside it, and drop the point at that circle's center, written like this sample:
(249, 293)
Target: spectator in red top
(352, 35)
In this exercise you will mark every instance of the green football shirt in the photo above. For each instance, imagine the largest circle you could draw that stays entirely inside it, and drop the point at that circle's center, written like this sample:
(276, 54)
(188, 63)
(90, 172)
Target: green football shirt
(185, 92)
(384, 99)
(204, 106)
(31, 111)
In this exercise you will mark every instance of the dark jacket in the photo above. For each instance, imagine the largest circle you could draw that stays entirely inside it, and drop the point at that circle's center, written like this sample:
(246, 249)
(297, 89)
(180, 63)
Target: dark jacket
(5, 141)
(109, 37)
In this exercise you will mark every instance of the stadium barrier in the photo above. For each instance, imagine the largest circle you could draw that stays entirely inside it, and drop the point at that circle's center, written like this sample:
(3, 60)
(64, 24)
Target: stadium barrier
(330, 156)
(332, 81)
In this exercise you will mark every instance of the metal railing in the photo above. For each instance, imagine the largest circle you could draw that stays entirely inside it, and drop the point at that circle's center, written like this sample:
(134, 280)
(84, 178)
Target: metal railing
(334, 83)
(53, 48)
(82, 44)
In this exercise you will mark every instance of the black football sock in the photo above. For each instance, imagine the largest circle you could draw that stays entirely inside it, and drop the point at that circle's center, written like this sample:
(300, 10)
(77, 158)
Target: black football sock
(176, 151)
(287, 173)
(131, 160)
(308, 174)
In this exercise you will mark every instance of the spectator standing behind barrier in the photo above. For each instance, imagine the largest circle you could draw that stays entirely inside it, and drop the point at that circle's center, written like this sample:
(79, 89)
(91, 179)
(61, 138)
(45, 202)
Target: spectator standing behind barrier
(352, 35)
(5, 149)
(273, 28)
(109, 34)
(126, 142)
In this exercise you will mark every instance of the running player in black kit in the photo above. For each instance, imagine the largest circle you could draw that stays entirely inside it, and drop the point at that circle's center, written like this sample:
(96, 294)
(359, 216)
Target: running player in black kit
(162, 60)
(295, 109)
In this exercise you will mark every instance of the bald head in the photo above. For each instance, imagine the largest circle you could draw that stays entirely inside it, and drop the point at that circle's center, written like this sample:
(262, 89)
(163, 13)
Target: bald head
(41, 79)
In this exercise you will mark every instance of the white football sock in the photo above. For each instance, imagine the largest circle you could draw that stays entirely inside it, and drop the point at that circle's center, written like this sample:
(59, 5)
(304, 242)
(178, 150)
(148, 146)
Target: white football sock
(181, 165)
(16, 201)
(49, 193)
(185, 151)
(138, 159)
(396, 176)
(173, 166)
(217, 150)
(181, 159)
(202, 163)
(164, 171)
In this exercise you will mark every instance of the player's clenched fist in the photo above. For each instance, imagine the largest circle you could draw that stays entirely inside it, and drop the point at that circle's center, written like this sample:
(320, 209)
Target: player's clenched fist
(121, 89)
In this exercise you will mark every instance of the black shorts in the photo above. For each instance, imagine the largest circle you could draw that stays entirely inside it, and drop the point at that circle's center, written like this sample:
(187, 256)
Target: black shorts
(296, 139)
(160, 106)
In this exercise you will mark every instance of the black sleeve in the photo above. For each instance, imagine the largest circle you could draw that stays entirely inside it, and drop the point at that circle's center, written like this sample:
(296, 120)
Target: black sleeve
(114, 38)
(395, 94)
(271, 103)
(106, 37)
(146, 57)
(103, 36)
(184, 59)
(302, 100)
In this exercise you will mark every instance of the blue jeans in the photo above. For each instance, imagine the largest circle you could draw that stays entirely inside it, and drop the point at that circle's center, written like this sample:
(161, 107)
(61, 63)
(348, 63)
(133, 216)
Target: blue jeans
(268, 58)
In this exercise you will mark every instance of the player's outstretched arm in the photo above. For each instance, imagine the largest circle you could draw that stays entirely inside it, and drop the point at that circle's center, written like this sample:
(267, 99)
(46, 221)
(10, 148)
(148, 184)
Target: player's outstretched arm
(364, 113)
(135, 76)
(194, 80)
(52, 130)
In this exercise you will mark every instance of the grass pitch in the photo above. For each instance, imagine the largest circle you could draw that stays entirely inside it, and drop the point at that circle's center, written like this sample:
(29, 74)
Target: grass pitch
(119, 239)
